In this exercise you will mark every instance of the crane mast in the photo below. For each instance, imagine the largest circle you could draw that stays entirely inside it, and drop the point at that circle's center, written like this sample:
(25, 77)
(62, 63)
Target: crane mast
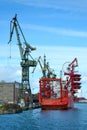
(46, 72)
(26, 59)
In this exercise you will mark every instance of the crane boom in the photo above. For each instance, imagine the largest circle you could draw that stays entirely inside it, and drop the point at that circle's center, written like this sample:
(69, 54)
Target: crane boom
(74, 63)
(44, 68)
(15, 25)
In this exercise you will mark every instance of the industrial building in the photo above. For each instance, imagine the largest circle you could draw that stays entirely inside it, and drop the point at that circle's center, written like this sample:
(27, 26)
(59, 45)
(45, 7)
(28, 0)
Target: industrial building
(9, 92)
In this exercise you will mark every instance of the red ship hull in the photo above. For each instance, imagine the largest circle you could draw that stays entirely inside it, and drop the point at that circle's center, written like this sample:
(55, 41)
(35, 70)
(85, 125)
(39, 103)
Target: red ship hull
(56, 104)
(50, 102)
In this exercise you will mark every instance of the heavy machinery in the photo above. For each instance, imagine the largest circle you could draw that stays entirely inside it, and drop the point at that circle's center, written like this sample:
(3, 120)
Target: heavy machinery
(46, 71)
(27, 60)
(73, 77)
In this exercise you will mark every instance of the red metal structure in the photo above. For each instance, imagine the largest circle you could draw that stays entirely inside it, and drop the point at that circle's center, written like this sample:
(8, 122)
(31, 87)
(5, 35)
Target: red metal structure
(74, 78)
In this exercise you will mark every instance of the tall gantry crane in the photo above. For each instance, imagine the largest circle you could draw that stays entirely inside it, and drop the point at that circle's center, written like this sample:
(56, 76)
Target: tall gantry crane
(27, 60)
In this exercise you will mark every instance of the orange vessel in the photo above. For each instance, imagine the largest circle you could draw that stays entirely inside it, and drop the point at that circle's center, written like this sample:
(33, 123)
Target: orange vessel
(53, 95)
(58, 94)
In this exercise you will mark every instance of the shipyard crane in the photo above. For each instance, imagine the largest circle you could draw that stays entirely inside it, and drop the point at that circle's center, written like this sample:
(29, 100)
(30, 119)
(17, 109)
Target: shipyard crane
(46, 71)
(27, 60)
(74, 77)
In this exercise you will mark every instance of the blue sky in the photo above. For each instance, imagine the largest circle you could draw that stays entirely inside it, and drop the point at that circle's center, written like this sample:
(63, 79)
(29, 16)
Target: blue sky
(57, 29)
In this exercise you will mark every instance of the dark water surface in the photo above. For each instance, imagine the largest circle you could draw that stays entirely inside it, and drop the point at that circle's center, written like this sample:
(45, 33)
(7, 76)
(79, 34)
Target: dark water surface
(72, 119)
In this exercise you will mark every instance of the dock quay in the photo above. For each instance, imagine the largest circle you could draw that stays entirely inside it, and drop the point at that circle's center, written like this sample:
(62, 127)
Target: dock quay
(15, 108)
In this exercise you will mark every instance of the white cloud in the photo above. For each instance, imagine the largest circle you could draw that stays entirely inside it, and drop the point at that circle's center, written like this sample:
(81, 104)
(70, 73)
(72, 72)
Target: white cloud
(10, 74)
(56, 55)
(84, 78)
(55, 4)
(58, 31)
(18, 73)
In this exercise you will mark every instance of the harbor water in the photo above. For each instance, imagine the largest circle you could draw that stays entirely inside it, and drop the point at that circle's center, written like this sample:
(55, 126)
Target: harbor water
(37, 119)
